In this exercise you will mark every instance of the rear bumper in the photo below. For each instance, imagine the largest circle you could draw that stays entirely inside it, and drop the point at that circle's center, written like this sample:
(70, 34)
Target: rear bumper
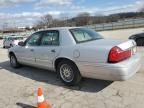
(115, 72)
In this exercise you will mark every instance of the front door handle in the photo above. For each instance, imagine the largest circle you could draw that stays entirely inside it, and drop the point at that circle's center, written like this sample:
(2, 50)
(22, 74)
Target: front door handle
(32, 50)
(53, 51)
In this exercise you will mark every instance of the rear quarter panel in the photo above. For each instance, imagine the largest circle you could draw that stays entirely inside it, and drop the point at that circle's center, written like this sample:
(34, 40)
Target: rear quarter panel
(93, 54)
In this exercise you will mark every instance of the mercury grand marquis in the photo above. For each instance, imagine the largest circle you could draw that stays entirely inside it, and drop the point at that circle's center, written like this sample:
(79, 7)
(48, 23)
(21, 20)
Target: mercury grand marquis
(76, 52)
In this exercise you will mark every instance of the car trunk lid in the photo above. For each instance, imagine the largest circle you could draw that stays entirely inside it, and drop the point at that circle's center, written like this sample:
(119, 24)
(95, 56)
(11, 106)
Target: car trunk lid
(98, 51)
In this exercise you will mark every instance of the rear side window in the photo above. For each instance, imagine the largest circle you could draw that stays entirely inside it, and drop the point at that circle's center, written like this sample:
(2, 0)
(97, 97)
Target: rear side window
(50, 38)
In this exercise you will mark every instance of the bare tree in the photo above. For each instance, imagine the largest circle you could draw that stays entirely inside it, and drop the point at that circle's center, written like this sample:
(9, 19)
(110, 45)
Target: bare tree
(39, 24)
(45, 21)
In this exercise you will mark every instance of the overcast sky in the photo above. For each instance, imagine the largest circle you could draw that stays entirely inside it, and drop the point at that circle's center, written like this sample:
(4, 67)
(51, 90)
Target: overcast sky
(26, 12)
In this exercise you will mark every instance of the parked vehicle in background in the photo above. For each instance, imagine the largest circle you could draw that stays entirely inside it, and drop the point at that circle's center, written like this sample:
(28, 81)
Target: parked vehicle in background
(12, 41)
(1, 38)
(1, 41)
(77, 52)
(139, 38)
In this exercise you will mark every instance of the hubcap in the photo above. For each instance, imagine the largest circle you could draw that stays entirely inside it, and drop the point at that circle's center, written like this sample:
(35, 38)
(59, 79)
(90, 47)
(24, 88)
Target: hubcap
(13, 61)
(66, 73)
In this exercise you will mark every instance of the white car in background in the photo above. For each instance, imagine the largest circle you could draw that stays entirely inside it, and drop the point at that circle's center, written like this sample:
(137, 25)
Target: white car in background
(77, 52)
(12, 41)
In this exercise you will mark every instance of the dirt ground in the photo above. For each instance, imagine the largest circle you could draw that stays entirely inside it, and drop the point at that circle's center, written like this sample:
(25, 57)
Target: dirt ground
(18, 89)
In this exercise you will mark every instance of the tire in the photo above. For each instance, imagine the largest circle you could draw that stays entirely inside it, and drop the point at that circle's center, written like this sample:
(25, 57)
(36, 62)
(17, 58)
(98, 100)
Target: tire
(3, 46)
(140, 41)
(71, 76)
(13, 61)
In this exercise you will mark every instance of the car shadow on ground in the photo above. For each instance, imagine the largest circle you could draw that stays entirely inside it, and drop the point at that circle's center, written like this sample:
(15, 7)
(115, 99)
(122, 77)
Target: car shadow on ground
(40, 75)
(22, 105)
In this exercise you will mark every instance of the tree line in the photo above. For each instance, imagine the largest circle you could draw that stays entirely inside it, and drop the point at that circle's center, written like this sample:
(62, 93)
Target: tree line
(85, 18)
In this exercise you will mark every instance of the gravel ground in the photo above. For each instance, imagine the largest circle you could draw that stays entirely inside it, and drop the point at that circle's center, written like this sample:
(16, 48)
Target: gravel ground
(18, 89)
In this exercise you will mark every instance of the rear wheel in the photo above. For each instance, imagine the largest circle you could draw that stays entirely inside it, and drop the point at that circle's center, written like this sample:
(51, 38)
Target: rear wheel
(13, 61)
(68, 73)
(140, 41)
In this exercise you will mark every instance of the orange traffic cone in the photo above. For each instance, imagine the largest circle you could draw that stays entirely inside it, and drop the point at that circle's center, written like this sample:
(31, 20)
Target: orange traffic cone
(41, 100)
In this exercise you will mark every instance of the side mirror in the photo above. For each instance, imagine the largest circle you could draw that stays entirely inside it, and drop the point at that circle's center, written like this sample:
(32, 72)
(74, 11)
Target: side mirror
(21, 43)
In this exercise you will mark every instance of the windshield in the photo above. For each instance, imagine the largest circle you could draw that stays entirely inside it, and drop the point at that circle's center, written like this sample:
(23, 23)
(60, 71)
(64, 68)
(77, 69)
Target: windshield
(84, 35)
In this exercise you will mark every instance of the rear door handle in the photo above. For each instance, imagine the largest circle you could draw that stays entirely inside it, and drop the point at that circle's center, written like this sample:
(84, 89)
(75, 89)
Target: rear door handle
(53, 51)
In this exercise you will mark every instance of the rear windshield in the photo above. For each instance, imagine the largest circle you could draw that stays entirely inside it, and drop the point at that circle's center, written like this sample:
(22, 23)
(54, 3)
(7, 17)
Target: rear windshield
(85, 34)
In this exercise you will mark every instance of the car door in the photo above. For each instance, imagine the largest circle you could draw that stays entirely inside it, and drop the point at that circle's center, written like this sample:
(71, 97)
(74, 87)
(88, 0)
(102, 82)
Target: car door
(48, 50)
(26, 53)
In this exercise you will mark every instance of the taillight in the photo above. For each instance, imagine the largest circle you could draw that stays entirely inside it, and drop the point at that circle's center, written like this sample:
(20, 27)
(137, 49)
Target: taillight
(116, 54)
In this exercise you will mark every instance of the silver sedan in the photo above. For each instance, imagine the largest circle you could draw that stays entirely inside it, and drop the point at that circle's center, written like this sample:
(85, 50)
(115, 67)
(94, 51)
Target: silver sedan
(77, 52)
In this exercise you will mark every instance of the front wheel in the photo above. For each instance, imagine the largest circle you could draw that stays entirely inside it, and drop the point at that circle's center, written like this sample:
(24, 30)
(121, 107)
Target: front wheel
(69, 73)
(13, 61)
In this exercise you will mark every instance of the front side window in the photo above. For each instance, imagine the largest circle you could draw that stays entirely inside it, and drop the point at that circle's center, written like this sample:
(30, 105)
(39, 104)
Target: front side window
(84, 35)
(33, 40)
(50, 38)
